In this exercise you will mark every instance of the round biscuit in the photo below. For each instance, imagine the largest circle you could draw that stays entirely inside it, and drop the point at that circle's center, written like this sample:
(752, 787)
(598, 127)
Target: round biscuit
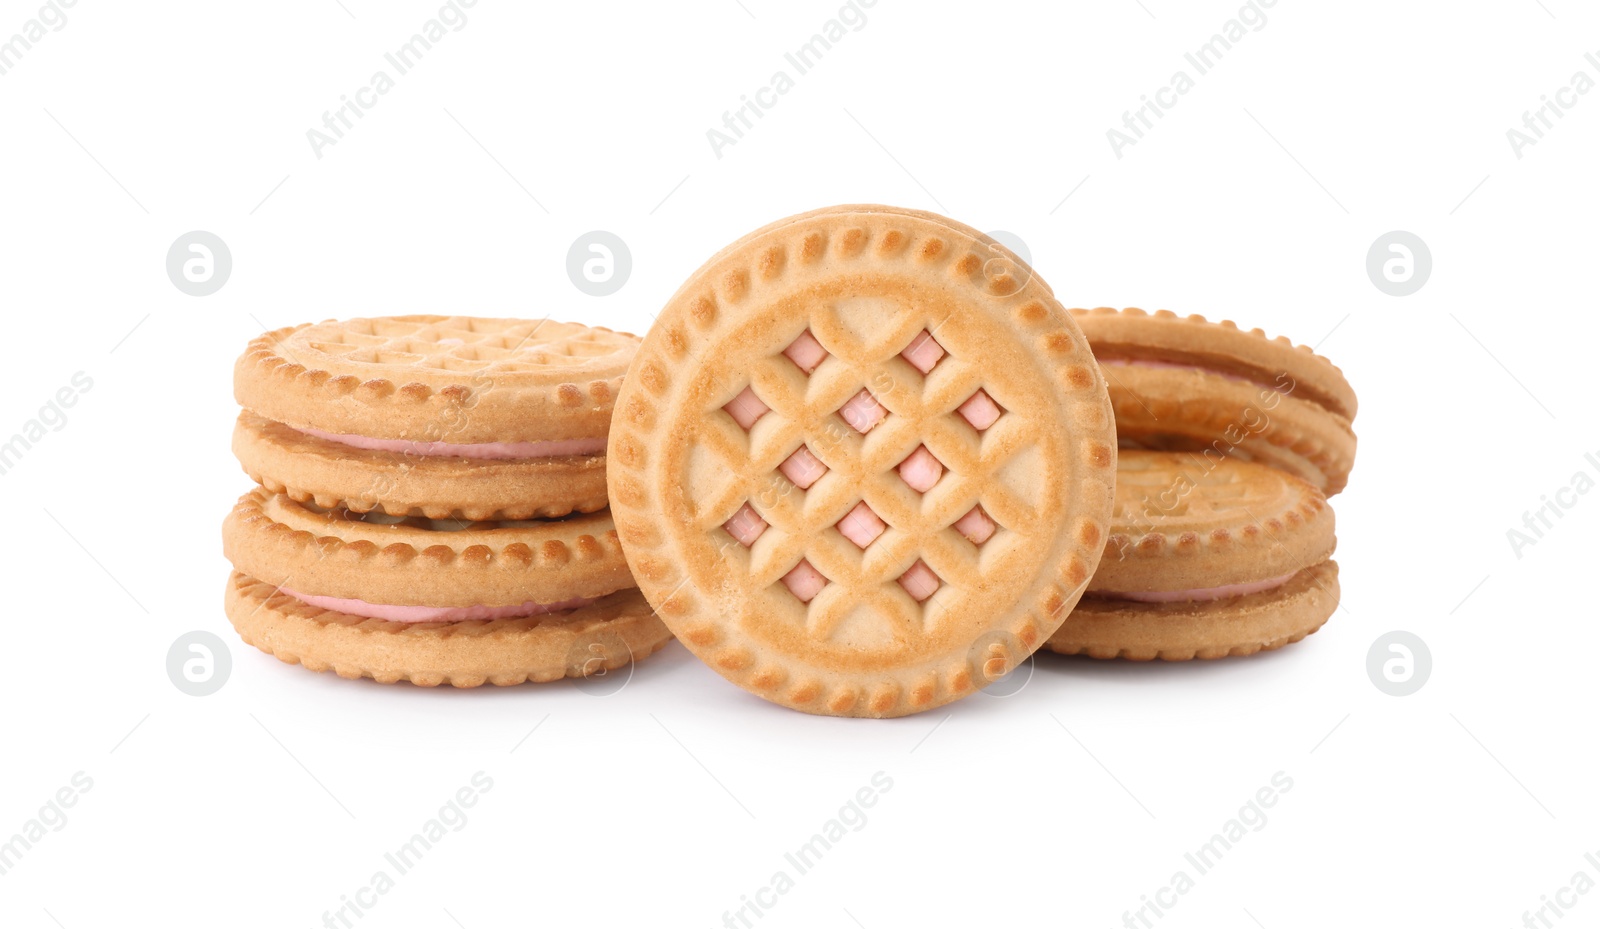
(920, 615)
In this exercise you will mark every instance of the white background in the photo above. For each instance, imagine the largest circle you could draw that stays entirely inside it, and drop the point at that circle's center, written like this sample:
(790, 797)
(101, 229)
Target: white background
(1254, 198)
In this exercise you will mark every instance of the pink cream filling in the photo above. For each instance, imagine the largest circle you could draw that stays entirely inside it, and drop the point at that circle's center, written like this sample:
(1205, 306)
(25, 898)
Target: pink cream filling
(473, 450)
(862, 412)
(804, 581)
(803, 468)
(921, 470)
(806, 352)
(1199, 593)
(919, 581)
(396, 613)
(746, 525)
(746, 408)
(976, 526)
(923, 352)
(861, 525)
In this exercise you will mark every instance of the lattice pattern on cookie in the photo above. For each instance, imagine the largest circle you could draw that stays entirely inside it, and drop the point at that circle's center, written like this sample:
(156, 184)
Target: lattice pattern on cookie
(713, 526)
(915, 453)
(462, 344)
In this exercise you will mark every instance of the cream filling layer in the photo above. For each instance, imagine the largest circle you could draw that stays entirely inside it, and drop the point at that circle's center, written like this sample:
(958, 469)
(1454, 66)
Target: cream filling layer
(1198, 593)
(491, 450)
(397, 613)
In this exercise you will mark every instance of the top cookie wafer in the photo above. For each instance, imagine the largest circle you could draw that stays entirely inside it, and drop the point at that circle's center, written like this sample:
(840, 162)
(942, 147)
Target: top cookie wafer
(460, 379)
(1186, 384)
(1187, 521)
(863, 462)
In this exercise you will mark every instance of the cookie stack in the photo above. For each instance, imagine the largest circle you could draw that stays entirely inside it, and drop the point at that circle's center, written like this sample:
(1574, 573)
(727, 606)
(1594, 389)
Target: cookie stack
(432, 501)
(1221, 539)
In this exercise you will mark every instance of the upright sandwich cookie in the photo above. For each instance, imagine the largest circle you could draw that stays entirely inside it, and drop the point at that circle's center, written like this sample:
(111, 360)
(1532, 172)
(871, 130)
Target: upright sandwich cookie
(1185, 384)
(1208, 556)
(384, 415)
(862, 464)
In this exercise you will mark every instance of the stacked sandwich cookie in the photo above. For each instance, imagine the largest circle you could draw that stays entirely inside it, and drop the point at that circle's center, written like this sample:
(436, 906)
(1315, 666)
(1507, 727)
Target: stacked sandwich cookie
(432, 501)
(1207, 557)
(1181, 383)
(1231, 443)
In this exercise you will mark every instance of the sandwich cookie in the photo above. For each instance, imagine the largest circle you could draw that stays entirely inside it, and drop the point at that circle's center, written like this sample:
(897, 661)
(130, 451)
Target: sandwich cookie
(1185, 384)
(435, 416)
(862, 463)
(1207, 557)
(433, 601)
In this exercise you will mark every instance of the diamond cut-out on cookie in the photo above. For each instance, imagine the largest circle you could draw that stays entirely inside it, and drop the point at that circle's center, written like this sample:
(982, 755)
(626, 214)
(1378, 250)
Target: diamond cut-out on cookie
(919, 581)
(803, 468)
(923, 352)
(976, 526)
(980, 411)
(921, 470)
(806, 352)
(746, 408)
(745, 526)
(804, 581)
(861, 525)
(863, 411)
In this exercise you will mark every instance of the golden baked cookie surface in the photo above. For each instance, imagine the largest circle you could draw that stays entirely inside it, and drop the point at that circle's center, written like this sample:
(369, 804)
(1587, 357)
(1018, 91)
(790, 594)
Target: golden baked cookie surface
(1183, 383)
(458, 379)
(1191, 520)
(862, 464)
